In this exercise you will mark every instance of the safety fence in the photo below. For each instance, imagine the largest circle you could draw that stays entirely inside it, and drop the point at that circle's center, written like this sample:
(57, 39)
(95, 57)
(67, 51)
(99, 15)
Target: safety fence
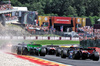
(90, 43)
(37, 38)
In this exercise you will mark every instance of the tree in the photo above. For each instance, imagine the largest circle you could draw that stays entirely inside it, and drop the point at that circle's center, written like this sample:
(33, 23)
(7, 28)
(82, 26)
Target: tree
(61, 7)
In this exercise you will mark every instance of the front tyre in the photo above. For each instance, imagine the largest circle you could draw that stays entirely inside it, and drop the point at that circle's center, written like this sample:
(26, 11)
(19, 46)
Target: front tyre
(19, 50)
(24, 51)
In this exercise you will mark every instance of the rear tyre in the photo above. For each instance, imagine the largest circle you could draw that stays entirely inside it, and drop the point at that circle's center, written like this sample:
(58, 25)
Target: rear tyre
(24, 51)
(96, 56)
(76, 55)
(19, 50)
(37, 52)
(84, 56)
(42, 52)
(63, 54)
(58, 52)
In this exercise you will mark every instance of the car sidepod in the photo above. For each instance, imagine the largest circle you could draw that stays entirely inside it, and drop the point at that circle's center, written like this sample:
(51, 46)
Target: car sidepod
(22, 50)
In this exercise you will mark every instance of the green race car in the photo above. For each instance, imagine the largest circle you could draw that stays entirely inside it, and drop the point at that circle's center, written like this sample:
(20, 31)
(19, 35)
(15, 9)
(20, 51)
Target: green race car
(33, 49)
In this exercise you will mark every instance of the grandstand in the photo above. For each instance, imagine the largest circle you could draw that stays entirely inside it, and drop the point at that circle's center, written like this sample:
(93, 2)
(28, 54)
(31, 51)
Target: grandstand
(6, 11)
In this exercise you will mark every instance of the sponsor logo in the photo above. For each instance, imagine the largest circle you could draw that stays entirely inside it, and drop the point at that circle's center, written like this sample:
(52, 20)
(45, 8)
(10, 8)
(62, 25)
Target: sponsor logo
(39, 18)
(62, 20)
(78, 20)
(83, 20)
(46, 18)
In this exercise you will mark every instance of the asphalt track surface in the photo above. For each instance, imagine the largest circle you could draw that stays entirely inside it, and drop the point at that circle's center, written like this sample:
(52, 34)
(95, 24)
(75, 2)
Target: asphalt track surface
(72, 62)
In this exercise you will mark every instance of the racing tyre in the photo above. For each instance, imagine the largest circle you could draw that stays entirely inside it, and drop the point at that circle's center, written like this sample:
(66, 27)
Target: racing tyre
(76, 55)
(58, 52)
(31, 51)
(24, 51)
(42, 52)
(84, 56)
(19, 50)
(96, 56)
(37, 53)
(63, 54)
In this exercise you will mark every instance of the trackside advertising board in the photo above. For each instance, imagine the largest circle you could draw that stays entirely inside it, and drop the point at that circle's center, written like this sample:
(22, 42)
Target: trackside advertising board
(62, 20)
(43, 19)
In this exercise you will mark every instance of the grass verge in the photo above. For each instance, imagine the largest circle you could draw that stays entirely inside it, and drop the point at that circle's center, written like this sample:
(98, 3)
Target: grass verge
(43, 42)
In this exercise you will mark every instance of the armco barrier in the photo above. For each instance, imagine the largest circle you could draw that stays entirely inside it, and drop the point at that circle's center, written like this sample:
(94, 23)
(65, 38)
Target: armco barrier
(7, 37)
(68, 38)
(33, 38)
(74, 38)
(28, 38)
(45, 38)
(63, 38)
(20, 37)
(52, 38)
(57, 38)
(37, 38)
(14, 37)
(40, 38)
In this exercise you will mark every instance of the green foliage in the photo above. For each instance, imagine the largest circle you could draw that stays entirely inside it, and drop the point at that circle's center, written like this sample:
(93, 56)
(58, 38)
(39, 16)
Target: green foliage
(72, 8)
(94, 19)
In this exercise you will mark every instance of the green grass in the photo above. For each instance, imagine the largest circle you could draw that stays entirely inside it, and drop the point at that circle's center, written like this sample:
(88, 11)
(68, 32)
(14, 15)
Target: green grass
(43, 42)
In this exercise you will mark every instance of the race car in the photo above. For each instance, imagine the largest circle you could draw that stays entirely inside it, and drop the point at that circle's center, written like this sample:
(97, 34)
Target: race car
(80, 53)
(34, 49)
(51, 49)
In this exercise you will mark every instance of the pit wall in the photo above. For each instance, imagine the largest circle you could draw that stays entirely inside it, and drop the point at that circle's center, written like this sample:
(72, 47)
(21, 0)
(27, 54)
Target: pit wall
(38, 38)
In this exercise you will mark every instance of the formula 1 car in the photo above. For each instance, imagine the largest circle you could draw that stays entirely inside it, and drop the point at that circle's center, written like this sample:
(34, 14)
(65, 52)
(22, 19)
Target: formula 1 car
(80, 53)
(35, 49)
(51, 49)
